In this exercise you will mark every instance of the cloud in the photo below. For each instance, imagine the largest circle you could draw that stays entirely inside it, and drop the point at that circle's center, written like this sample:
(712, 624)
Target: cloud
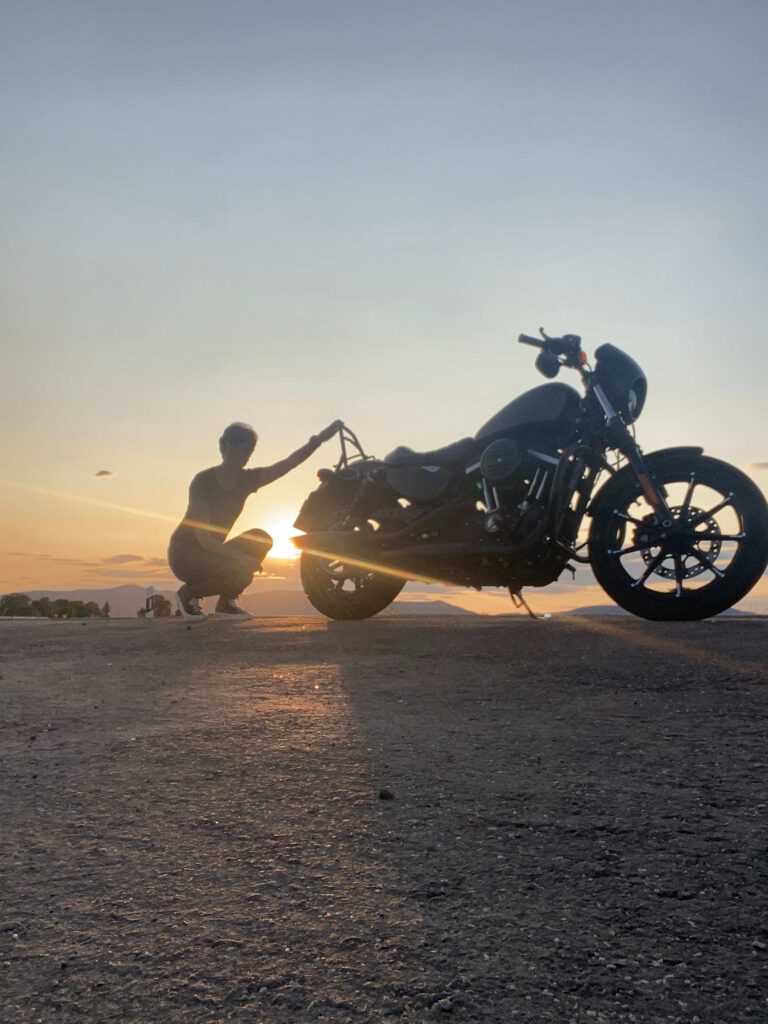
(83, 563)
(151, 561)
(143, 572)
(105, 472)
(50, 558)
(131, 567)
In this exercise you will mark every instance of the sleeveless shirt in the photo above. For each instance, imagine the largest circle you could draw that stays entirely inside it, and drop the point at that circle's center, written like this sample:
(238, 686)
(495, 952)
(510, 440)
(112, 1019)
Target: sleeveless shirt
(225, 505)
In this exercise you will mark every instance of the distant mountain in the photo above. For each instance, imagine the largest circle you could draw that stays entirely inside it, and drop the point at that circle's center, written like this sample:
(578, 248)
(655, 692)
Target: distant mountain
(293, 602)
(126, 600)
(596, 609)
(425, 608)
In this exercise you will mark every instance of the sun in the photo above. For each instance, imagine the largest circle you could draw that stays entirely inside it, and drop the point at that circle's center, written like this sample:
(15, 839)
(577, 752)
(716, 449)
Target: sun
(281, 531)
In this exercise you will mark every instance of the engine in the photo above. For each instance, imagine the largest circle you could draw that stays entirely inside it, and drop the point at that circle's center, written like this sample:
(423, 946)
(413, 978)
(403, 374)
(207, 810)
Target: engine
(516, 482)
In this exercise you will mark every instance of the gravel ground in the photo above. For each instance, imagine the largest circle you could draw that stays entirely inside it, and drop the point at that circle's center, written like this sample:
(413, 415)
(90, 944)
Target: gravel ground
(402, 820)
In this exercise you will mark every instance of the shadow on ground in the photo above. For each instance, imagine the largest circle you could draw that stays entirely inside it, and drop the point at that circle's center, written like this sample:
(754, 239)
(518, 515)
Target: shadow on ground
(394, 820)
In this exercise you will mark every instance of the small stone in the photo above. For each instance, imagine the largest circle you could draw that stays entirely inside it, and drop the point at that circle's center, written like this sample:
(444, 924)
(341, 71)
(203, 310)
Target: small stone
(384, 794)
(443, 1005)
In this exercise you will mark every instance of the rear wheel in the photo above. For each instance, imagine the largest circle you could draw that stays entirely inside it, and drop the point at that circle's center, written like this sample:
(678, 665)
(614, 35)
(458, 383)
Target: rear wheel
(342, 591)
(702, 560)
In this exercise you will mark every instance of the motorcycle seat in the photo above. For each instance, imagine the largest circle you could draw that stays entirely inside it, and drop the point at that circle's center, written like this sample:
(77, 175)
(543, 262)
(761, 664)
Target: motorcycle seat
(450, 455)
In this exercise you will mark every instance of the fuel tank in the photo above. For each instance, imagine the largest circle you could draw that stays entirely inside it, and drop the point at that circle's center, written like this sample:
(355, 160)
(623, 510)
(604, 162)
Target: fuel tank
(553, 407)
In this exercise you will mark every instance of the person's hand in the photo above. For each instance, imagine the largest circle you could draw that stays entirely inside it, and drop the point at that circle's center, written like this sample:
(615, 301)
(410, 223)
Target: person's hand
(330, 430)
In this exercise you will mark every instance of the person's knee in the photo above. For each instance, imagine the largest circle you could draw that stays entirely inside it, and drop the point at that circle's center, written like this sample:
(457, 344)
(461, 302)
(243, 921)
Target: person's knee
(257, 542)
(254, 545)
(261, 537)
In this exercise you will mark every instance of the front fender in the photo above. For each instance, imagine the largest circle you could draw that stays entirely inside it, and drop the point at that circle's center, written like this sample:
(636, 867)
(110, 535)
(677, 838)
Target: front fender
(683, 449)
(605, 495)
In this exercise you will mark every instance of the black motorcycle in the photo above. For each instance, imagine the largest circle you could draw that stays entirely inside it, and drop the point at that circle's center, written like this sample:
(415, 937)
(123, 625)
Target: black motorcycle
(673, 535)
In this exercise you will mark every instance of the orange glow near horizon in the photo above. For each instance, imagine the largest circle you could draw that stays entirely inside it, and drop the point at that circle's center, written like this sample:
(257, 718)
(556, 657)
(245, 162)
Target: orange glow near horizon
(281, 531)
(89, 552)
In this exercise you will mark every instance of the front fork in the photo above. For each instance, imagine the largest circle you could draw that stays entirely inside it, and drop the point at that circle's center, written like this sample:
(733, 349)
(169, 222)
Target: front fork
(619, 437)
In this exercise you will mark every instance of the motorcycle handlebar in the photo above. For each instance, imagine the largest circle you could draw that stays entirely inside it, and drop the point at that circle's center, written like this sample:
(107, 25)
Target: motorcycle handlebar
(569, 345)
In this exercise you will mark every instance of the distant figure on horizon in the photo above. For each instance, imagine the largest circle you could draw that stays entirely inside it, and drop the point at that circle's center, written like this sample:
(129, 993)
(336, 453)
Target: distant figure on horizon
(199, 553)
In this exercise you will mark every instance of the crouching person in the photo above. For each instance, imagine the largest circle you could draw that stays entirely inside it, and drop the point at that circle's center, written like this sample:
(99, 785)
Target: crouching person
(199, 553)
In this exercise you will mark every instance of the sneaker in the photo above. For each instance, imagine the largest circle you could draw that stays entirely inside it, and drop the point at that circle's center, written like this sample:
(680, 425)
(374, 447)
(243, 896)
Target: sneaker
(189, 606)
(228, 608)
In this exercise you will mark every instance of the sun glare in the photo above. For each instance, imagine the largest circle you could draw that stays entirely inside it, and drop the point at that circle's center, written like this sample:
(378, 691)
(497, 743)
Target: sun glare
(281, 531)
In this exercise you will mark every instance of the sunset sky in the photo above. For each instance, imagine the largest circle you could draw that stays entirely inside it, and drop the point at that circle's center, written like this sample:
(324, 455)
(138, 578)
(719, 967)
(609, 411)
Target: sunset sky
(286, 212)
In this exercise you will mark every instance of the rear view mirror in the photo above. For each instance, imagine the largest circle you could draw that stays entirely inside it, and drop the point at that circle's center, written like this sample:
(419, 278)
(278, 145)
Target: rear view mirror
(548, 364)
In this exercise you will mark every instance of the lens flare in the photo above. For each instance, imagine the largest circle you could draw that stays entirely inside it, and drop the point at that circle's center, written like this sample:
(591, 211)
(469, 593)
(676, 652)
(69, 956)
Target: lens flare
(111, 505)
(388, 570)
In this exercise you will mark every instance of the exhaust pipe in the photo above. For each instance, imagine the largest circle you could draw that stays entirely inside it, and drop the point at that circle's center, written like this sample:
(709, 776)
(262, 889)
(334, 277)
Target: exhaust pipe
(451, 550)
(350, 543)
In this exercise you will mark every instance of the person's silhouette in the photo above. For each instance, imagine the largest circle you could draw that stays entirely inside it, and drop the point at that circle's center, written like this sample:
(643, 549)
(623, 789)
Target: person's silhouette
(199, 553)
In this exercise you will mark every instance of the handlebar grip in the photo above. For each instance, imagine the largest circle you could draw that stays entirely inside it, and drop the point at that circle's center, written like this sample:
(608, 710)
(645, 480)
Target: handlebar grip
(526, 339)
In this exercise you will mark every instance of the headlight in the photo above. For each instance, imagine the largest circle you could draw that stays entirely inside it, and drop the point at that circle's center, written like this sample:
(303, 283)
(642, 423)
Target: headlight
(623, 380)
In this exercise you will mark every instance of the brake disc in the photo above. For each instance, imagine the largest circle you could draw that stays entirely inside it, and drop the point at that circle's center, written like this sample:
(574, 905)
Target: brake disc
(710, 551)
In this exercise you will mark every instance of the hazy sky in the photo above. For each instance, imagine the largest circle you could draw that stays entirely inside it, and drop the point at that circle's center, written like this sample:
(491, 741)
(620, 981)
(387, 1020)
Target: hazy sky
(286, 212)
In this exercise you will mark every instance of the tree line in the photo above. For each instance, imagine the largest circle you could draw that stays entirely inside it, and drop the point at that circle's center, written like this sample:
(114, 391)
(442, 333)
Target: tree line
(47, 608)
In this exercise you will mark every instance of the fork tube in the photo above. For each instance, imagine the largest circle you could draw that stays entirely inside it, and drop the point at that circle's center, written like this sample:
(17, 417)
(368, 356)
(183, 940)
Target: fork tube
(619, 437)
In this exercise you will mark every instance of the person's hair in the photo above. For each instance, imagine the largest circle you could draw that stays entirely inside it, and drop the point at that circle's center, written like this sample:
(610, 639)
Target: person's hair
(238, 433)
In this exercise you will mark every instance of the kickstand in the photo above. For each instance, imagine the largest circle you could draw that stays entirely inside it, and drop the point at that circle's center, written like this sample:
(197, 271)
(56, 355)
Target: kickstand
(519, 602)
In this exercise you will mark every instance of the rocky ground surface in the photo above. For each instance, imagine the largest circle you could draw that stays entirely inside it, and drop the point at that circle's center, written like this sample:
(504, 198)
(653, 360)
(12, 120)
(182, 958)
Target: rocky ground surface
(403, 820)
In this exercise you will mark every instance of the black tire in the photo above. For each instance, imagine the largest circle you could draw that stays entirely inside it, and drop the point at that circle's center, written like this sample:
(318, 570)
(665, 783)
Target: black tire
(335, 592)
(714, 553)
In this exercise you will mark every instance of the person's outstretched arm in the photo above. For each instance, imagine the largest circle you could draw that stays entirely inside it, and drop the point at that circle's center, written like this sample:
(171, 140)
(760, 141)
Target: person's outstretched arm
(268, 474)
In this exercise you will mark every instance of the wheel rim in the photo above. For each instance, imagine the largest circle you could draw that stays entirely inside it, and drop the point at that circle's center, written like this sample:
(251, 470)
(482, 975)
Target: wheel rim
(337, 580)
(693, 550)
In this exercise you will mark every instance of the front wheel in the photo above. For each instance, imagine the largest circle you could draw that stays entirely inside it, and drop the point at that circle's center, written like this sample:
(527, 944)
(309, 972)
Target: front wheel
(702, 560)
(345, 592)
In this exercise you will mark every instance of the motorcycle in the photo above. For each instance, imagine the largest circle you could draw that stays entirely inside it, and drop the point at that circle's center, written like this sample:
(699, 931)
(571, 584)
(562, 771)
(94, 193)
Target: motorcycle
(672, 535)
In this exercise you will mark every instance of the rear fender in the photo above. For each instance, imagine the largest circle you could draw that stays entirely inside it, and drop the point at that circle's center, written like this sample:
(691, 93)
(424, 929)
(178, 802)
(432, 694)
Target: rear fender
(324, 505)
